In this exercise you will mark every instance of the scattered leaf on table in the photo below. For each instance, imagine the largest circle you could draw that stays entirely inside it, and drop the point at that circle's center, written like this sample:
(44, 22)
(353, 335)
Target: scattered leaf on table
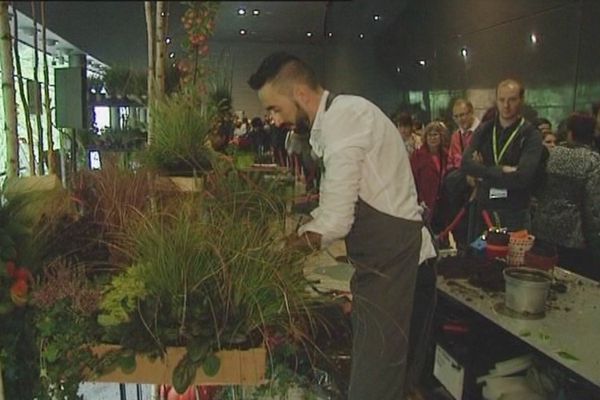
(567, 356)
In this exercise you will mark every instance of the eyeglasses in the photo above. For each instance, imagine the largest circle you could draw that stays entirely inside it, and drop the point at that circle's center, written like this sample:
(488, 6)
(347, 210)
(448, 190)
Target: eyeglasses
(461, 115)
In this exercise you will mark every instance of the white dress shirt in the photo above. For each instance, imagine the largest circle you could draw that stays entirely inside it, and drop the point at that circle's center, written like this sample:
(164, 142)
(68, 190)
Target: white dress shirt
(363, 155)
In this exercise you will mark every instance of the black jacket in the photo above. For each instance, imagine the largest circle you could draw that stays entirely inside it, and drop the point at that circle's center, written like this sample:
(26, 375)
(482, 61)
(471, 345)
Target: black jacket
(524, 152)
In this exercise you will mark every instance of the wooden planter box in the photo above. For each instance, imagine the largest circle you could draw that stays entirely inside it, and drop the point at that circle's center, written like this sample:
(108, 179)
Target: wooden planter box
(238, 367)
(180, 183)
(26, 184)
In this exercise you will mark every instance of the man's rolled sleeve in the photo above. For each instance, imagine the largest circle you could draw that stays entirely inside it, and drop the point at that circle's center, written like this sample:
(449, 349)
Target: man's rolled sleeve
(338, 195)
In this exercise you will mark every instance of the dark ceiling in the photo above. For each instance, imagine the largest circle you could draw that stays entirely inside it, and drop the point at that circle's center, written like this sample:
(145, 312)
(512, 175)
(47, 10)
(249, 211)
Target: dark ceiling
(115, 31)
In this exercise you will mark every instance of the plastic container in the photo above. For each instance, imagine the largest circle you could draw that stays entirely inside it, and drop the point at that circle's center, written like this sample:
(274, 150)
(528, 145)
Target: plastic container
(517, 246)
(494, 251)
(542, 262)
(526, 290)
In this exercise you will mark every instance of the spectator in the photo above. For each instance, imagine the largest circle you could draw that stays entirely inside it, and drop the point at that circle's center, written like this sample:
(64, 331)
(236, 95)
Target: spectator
(568, 210)
(542, 124)
(429, 167)
(549, 139)
(462, 112)
(404, 123)
(504, 155)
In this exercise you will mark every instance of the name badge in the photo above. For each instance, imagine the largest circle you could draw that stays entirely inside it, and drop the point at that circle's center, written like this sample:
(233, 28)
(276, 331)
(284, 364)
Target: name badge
(496, 193)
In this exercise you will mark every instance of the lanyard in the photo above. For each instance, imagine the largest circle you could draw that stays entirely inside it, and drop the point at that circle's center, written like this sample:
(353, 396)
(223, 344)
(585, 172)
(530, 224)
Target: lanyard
(498, 157)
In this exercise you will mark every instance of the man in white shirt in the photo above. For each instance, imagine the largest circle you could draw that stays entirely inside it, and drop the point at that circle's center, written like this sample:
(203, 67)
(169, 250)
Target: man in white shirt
(368, 197)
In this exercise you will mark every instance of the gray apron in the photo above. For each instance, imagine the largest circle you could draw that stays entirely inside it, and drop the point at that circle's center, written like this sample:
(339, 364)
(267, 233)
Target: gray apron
(385, 253)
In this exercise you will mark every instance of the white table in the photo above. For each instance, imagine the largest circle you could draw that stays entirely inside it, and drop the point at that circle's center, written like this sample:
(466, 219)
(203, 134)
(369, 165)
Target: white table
(570, 327)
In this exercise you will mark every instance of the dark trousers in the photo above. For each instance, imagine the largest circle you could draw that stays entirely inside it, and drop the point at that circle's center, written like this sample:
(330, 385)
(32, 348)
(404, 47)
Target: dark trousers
(385, 252)
(421, 325)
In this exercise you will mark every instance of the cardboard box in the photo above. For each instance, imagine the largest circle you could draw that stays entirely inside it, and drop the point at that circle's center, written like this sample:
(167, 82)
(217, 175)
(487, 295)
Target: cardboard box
(238, 367)
(449, 372)
(180, 183)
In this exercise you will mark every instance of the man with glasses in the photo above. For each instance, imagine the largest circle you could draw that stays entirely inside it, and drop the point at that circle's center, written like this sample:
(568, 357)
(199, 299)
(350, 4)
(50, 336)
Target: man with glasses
(462, 112)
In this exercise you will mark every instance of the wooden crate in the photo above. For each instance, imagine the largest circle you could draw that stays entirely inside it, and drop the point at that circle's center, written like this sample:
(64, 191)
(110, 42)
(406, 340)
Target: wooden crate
(238, 367)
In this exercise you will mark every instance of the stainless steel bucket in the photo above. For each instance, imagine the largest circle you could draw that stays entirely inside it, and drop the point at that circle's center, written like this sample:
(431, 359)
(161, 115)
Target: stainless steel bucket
(526, 289)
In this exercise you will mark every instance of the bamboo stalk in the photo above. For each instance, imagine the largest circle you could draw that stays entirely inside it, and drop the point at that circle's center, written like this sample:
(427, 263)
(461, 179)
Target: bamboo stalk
(160, 50)
(1, 381)
(8, 92)
(150, 36)
(47, 109)
(24, 101)
(38, 115)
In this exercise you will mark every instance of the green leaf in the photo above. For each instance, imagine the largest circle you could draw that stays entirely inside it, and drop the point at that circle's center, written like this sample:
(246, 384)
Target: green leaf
(211, 365)
(198, 350)
(525, 334)
(127, 362)
(567, 356)
(9, 253)
(51, 353)
(183, 375)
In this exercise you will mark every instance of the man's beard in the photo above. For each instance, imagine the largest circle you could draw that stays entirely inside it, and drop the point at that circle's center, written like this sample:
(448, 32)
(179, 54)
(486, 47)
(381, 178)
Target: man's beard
(302, 124)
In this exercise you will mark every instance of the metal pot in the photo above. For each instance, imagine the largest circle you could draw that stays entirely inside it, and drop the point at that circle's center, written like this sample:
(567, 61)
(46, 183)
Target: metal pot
(526, 289)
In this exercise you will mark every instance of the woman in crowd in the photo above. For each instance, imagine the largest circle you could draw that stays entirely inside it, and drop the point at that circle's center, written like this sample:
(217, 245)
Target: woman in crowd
(549, 139)
(428, 164)
(568, 210)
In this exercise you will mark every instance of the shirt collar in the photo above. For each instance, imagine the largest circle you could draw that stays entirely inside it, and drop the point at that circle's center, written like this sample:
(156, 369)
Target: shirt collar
(474, 126)
(315, 130)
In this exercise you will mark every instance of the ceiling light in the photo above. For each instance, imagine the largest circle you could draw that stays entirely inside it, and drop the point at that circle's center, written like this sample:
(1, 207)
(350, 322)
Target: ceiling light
(243, 32)
(398, 69)
(330, 34)
(309, 34)
(533, 38)
(464, 52)
(376, 17)
(162, 14)
(168, 40)
(93, 91)
(422, 63)
(172, 54)
(256, 11)
(361, 35)
(241, 11)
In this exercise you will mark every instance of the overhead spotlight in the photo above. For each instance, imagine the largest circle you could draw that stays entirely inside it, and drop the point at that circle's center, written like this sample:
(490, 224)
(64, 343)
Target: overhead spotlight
(422, 63)
(398, 69)
(330, 34)
(243, 32)
(309, 34)
(533, 37)
(256, 11)
(162, 14)
(103, 90)
(241, 11)
(376, 17)
(172, 54)
(168, 40)
(464, 52)
(93, 91)
(361, 35)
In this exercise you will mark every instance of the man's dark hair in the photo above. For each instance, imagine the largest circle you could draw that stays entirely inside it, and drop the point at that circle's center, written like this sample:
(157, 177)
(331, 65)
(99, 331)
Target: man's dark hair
(404, 119)
(541, 120)
(582, 127)
(282, 63)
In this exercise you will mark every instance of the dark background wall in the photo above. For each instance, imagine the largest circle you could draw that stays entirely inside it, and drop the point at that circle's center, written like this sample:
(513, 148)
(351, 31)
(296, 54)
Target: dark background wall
(561, 70)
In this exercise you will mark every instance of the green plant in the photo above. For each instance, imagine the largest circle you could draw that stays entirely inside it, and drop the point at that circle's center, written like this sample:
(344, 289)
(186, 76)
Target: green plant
(181, 125)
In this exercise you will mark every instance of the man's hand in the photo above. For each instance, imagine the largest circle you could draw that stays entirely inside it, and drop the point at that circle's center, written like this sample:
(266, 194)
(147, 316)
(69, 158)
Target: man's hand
(471, 181)
(507, 169)
(308, 242)
(477, 157)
